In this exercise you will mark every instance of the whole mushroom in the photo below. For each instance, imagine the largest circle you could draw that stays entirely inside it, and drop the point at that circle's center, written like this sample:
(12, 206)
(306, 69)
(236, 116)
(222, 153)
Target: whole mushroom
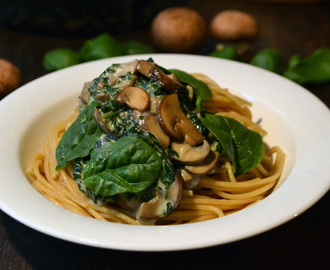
(10, 78)
(179, 30)
(233, 25)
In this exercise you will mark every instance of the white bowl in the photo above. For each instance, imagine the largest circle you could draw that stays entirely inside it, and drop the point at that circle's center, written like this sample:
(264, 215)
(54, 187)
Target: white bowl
(296, 121)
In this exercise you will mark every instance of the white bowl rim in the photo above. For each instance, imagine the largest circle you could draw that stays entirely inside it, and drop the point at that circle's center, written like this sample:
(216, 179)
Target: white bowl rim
(306, 183)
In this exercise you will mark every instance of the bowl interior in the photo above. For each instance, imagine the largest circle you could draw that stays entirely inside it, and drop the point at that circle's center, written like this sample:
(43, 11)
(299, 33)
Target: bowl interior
(28, 116)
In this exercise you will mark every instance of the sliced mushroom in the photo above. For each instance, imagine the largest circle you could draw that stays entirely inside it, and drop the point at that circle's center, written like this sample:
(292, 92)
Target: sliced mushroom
(150, 123)
(189, 179)
(134, 97)
(151, 71)
(204, 167)
(154, 103)
(100, 121)
(190, 154)
(122, 69)
(175, 192)
(84, 95)
(175, 123)
(157, 207)
(103, 97)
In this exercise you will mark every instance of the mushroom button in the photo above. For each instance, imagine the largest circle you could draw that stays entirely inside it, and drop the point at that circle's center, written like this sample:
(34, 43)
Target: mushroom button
(134, 97)
(175, 123)
(151, 71)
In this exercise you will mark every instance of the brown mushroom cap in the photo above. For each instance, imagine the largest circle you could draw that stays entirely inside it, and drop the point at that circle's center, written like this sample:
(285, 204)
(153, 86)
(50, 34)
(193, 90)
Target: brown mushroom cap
(10, 77)
(233, 25)
(179, 30)
(134, 97)
(175, 123)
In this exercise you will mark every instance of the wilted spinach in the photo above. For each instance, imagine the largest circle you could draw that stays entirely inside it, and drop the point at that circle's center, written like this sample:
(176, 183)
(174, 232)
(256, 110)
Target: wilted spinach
(313, 70)
(80, 137)
(201, 89)
(243, 146)
(127, 165)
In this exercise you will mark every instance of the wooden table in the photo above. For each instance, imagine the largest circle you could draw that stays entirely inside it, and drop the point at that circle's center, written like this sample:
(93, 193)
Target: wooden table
(292, 27)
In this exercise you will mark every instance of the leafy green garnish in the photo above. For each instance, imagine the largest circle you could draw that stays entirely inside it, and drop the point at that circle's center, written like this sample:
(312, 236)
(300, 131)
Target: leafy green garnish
(201, 89)
(243, 146)
(80, 137)
(127, 165)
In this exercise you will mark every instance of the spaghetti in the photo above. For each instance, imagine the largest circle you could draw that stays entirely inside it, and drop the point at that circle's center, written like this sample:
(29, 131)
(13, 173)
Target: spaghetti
(217, 194)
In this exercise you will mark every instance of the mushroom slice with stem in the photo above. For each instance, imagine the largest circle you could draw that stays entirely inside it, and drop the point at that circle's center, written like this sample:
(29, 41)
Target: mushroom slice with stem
(103, 97)
(204, 167)
(175, 123)
(84, 95)
(157, 207)
(101, 122)
(151, 71)
(150, 123)
(189, 179)
(134, 97)
(122, 69)
(190, 154)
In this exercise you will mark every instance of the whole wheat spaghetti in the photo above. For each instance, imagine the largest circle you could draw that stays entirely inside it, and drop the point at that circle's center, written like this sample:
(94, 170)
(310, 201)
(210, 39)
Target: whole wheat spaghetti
(217, 193)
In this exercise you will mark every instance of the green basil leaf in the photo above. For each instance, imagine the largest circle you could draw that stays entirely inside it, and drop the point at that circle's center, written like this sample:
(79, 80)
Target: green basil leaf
(243, 146)
(127, 165)
(201, 89)
(80, 137)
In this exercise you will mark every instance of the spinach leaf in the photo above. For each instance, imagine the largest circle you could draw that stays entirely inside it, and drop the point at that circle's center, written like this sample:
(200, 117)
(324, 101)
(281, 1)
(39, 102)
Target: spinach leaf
(201, 89)
(80, 137)
(244, 147)
(127, 165)
(313, 70)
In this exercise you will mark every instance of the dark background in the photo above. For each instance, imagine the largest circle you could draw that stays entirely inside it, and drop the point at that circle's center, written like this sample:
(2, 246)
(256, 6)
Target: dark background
(28, 29)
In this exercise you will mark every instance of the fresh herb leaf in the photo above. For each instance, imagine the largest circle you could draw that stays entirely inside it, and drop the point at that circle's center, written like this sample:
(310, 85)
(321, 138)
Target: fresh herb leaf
(80, 137)
(243, 146)
(127, 165)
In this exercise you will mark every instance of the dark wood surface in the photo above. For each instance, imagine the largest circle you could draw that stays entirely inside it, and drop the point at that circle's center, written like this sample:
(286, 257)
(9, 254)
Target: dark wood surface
(292, 27)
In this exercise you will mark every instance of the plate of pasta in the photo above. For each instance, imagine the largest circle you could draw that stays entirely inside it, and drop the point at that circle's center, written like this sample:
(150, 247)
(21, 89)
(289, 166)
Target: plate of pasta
(161, 152)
